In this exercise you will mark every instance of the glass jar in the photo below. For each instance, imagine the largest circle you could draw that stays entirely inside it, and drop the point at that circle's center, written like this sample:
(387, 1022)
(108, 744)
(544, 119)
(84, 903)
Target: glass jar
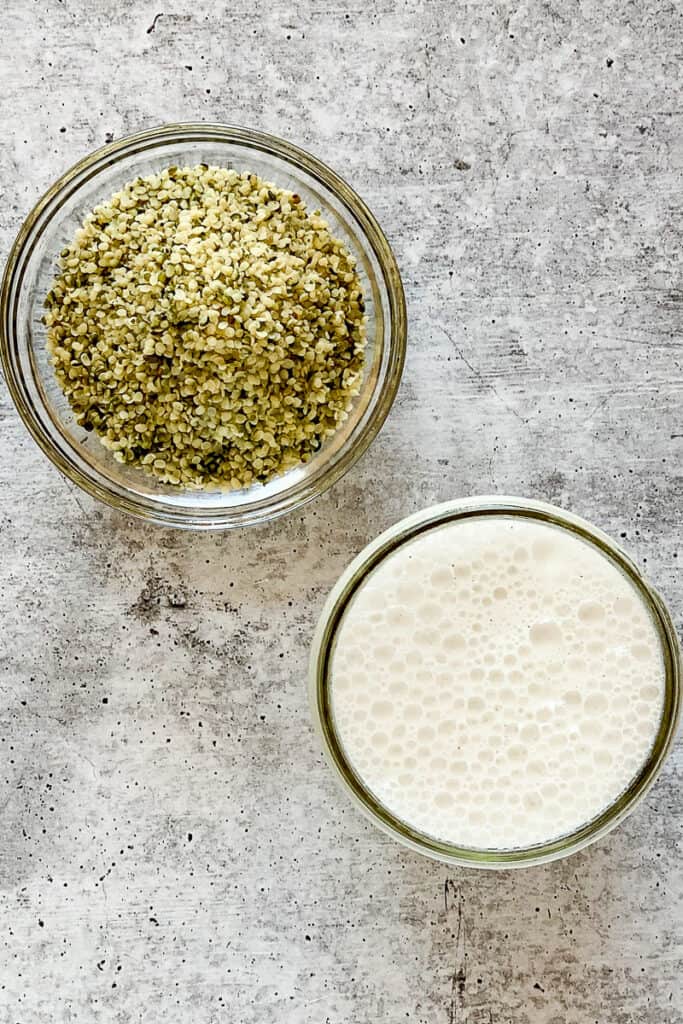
(320, 696)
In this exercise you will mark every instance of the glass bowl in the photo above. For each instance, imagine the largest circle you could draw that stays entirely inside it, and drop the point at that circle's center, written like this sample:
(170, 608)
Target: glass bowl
(32, 265)
(321, 704)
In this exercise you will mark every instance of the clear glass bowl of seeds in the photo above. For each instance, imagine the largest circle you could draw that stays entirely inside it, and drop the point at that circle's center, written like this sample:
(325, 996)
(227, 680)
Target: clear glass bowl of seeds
(202, 325)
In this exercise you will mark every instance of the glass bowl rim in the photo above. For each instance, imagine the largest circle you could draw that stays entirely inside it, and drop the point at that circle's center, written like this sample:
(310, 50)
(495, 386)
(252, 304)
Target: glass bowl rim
(318, 682)
(151, 508)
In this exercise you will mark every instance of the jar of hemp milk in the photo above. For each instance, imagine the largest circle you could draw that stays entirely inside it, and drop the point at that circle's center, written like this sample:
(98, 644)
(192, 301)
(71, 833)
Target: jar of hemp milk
(494, 682)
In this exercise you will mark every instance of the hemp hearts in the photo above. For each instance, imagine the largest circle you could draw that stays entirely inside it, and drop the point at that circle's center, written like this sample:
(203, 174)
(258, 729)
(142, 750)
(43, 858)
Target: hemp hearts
(207, 327)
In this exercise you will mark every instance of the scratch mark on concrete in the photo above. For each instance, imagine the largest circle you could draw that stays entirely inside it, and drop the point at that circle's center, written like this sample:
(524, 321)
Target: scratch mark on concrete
(478, 375)
(456, 1005)
(87, 516)
(154, 23)
(601, 405)
(448, 95)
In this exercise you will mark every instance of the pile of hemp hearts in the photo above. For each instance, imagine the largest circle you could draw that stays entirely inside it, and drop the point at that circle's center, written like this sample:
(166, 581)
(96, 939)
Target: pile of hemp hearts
(207, 327)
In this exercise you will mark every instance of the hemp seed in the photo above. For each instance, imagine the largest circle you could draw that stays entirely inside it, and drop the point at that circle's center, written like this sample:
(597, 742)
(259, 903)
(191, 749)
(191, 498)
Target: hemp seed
(207, 327)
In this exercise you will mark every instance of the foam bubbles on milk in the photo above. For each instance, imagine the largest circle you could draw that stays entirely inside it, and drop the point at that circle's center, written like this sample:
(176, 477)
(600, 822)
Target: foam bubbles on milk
(497, 682)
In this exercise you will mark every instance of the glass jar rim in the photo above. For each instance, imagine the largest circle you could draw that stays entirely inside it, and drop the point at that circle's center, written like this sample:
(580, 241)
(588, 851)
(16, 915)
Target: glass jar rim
(319, 685)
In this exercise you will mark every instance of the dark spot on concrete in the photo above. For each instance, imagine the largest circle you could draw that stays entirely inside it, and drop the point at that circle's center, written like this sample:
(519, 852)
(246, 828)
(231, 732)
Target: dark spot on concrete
(146, 607)
(551, 485)
(461, 165)
(609, 62)
(155, 594)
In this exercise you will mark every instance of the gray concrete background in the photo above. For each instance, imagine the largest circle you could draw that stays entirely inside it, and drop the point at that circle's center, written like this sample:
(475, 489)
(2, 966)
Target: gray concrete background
(173, 846)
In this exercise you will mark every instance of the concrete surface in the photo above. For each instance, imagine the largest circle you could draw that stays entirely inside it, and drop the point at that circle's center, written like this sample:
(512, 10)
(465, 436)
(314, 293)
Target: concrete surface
(173, 847)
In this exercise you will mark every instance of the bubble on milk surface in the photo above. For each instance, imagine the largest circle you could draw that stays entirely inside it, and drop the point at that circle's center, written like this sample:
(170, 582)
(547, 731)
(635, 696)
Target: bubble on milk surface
(508, 665)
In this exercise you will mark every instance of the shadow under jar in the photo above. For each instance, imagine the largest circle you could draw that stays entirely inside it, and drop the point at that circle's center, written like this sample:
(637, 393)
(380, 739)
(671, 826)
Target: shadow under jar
(32, 266)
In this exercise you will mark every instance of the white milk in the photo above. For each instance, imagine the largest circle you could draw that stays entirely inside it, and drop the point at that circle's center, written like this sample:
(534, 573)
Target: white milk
(497, 682)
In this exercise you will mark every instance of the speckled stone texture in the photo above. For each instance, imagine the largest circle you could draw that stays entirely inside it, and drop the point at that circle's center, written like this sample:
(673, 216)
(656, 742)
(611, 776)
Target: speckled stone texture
(173, 846)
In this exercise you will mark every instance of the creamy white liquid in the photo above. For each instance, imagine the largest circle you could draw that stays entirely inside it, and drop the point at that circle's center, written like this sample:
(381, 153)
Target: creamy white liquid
(497, 682)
